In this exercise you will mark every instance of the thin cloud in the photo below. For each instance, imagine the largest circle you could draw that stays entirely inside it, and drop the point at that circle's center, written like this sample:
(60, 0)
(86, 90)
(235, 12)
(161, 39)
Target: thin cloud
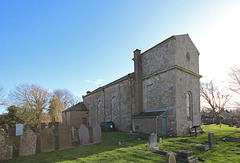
(89, 81)
(99, 81)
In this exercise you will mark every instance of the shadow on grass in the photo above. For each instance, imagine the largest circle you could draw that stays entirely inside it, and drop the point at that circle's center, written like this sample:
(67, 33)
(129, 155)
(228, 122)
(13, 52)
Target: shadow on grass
(109, 143)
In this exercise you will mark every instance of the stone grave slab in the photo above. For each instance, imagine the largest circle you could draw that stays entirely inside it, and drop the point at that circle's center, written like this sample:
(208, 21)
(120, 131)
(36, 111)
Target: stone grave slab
(97, 134)
(19, 129)
(28, 143)
(211, 139)
(6, 147)
(65, 141)
(152, 140)
(186, 156)
(47, 140)
(84, 135)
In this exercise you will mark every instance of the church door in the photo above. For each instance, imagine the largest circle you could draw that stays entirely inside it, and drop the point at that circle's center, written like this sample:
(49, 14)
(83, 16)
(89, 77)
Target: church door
(164, 126)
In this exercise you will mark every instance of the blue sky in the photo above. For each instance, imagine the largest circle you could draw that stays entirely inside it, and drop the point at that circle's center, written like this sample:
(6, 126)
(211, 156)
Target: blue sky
(73, 44)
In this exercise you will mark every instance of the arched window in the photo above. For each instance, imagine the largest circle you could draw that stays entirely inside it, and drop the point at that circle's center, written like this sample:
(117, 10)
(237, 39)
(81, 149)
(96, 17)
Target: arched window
(189, 105)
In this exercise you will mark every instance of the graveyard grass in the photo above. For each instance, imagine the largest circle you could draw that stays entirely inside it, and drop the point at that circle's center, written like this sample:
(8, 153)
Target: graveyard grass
(110, 151)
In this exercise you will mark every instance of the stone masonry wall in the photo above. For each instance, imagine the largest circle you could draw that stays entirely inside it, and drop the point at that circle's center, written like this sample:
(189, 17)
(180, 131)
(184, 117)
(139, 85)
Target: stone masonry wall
(159, 93)
(113, 103)
(158, 58)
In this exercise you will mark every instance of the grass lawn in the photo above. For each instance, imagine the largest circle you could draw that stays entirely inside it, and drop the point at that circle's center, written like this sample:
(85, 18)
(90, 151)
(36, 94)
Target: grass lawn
(110, 151)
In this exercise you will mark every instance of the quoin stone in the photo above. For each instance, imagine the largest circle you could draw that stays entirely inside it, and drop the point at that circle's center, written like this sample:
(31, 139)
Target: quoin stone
(152, 140)
(65, 141)
(47, 140)
(97, 134)
(28, 143)
(84, 135)
(6, 147)
(19, 129)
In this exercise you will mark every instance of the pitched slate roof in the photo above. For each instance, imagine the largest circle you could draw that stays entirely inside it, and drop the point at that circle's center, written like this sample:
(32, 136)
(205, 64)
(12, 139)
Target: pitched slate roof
(78, 107)
(149, 114)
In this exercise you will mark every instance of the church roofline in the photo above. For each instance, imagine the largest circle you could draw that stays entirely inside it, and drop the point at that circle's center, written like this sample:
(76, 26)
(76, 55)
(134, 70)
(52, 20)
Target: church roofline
(110, 84)
(168, 39)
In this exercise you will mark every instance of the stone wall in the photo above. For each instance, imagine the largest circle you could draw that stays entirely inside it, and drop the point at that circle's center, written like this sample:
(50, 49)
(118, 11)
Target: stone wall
(75, 118)
(148, 125)
(112, 103)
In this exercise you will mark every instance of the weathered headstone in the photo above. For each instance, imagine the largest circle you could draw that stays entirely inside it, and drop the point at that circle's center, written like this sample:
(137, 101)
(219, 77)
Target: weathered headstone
(152, 140)
(27, 127)
(11, 131)
(170, 158)
(97, 134)
(47, 140)
(186, 156)
(6, 147)
(19, 129)
(211, 139)
(65, 141)
(43, 126)
(84, 135)
(50, 124)
(28, 143)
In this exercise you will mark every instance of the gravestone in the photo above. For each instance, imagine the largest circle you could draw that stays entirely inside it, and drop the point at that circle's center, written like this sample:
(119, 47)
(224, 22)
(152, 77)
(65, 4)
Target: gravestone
(50, 125)
(97, 134)
(47, 140)
(186, 156)
(6, 147)
(27, 127)
(28, 143)
(19, 129)
(43, 126)
(65, 141)
(84, 135)
(152, 140)
(211, 139)
(170, 158)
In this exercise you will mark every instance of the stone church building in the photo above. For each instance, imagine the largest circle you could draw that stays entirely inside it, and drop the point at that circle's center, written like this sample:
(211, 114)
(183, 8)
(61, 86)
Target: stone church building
(162, 95)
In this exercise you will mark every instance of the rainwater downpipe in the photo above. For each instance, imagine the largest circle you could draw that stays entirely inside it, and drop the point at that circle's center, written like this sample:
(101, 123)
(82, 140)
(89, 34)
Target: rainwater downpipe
(157, 125)
(103, 98)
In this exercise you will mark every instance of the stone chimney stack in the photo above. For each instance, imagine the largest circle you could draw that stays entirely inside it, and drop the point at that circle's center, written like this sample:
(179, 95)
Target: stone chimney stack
(138, 81)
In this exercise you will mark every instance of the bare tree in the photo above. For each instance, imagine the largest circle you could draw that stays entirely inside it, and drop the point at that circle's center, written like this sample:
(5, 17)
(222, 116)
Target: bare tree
(215, 99)
(31, 95)
(234, 83)
(65, 96)
(2, 96)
